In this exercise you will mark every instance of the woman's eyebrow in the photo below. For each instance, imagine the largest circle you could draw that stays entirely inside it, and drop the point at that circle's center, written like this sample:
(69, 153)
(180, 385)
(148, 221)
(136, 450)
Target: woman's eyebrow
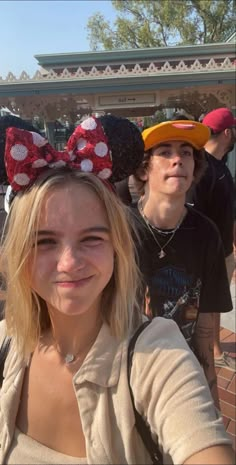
(49, 232)
(44, 232)
(104, 229)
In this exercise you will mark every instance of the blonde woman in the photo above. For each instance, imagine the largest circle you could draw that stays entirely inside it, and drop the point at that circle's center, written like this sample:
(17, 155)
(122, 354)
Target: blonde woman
(71, 279)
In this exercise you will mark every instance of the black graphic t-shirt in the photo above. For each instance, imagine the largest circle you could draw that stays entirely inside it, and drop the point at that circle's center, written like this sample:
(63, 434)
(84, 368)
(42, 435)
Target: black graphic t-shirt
(190, 278)
(214, 197)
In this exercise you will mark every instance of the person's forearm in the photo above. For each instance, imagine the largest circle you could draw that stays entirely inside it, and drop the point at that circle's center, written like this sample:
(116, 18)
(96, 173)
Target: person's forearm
(215, 455)
(203, 345)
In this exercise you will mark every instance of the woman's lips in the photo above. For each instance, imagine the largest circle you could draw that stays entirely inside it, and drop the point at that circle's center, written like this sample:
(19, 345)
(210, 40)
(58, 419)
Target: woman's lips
(73, 284)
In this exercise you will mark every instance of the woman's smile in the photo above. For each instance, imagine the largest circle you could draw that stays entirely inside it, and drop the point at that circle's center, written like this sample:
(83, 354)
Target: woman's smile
(74, 283)
(74, 256)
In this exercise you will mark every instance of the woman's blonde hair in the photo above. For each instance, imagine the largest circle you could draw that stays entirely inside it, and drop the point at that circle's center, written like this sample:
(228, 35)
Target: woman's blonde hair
(25, 312)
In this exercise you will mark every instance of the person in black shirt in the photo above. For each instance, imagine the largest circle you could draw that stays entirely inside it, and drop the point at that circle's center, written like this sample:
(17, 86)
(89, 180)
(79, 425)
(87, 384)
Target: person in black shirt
(180, 251)
(214, 196)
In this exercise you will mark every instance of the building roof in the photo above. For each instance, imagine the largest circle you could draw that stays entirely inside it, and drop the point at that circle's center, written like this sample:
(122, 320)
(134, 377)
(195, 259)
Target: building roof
(144, 54)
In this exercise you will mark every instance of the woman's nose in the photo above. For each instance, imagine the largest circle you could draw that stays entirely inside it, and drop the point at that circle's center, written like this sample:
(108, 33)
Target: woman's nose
(70, 259)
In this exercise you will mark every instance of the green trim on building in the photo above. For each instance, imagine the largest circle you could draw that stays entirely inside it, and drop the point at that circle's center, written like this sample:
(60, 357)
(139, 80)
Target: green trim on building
(141, 54)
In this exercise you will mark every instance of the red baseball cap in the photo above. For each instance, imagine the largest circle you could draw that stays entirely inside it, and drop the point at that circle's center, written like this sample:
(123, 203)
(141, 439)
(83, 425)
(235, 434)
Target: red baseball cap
(220, 119)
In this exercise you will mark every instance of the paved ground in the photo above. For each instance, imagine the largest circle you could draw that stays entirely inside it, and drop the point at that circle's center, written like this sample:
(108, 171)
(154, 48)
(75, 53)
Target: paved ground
(226, 379)
(228, 319)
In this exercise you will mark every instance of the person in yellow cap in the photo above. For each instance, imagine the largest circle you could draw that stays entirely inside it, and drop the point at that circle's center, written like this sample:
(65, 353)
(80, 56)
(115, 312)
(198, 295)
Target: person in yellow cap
(180, 251)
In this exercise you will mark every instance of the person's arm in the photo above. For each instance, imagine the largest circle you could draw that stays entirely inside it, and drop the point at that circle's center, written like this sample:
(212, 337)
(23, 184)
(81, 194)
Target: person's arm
(203, 347)
(171, 393)
(220, 455)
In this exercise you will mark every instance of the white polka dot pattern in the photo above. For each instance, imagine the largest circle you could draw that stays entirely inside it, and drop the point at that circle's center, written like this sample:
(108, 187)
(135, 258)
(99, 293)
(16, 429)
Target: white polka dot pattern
(22, 179)
(57, 164)
(81, 144)
(19, 152)
(86, 166)
(105, 173)
(28, 154)
(39, 163)
(38, 139)
(101, 149)
(89, 124)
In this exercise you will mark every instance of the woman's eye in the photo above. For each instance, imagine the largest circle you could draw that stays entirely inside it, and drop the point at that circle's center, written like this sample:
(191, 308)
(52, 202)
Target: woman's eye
(92, 240)
(46, 241)
(187, 153)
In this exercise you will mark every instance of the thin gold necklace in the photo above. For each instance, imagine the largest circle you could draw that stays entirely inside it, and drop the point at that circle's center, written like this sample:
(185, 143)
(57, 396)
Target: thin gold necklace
(161, 253)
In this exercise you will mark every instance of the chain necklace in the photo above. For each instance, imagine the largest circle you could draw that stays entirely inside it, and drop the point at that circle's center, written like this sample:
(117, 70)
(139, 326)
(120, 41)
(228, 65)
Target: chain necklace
(161, 253)
(160, 231)
(69, 357)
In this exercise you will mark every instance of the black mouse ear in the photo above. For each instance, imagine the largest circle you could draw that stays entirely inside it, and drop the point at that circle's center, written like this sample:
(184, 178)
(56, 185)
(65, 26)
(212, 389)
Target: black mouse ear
(3, 174)
(9, 121)
(126, 145)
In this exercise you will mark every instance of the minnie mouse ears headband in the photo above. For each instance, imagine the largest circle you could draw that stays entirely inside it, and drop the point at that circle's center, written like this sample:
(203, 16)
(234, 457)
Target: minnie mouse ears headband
(8, 121)
(110, 147)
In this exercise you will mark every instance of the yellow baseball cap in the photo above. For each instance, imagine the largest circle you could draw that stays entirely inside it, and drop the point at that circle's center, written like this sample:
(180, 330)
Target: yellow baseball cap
(196, 134)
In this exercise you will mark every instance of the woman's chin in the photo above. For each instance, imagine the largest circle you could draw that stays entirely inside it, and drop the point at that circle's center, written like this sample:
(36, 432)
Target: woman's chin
(70, 310)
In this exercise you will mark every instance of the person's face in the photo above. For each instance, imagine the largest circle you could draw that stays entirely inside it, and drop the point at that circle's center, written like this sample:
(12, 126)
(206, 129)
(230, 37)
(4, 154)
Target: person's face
(75, 258)
(232, 141)
(171, 168)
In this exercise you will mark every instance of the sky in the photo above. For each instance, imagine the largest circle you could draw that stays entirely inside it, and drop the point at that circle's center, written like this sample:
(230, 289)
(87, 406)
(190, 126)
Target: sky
(28, 28)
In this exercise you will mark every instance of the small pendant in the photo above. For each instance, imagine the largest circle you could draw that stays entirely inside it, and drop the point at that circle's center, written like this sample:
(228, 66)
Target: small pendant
(69, 358)
(161, 254)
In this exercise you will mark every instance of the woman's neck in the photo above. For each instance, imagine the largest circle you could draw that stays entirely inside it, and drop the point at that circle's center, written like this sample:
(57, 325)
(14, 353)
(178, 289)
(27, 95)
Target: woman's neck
(73, 334)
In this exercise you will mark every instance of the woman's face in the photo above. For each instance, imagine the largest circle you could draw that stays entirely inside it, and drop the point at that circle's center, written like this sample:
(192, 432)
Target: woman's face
(75, 257)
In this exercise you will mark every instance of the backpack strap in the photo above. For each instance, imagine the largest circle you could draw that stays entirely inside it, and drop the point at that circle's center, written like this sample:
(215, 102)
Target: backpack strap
(142, 427)
(3, 355)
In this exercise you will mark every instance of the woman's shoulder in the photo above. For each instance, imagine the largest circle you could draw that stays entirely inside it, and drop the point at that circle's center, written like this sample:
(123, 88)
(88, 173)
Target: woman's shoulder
(162, 357)
(161, 333)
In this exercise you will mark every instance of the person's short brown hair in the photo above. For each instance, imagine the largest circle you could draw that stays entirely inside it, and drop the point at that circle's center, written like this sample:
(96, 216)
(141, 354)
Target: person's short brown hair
(199, 168)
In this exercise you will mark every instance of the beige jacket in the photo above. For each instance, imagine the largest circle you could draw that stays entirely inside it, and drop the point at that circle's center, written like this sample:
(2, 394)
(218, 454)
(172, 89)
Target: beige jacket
(169, 389)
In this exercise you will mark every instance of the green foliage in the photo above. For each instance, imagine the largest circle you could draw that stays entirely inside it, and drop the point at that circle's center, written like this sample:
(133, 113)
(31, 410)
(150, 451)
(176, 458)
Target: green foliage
(155, 23)
(158, 117)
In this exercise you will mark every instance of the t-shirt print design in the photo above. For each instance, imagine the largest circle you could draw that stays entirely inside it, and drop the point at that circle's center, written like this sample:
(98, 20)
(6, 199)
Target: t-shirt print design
(182, 303)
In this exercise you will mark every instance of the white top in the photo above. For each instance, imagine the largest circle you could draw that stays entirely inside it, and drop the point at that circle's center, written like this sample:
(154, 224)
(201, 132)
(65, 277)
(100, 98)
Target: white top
(169, 388)
(25, 450)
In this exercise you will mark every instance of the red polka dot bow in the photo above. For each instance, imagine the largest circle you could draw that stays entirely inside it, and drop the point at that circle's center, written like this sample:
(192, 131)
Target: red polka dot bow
(28, 154)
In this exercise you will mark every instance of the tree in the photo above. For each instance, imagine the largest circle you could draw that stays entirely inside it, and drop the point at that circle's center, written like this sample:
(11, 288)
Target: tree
(155, 23)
